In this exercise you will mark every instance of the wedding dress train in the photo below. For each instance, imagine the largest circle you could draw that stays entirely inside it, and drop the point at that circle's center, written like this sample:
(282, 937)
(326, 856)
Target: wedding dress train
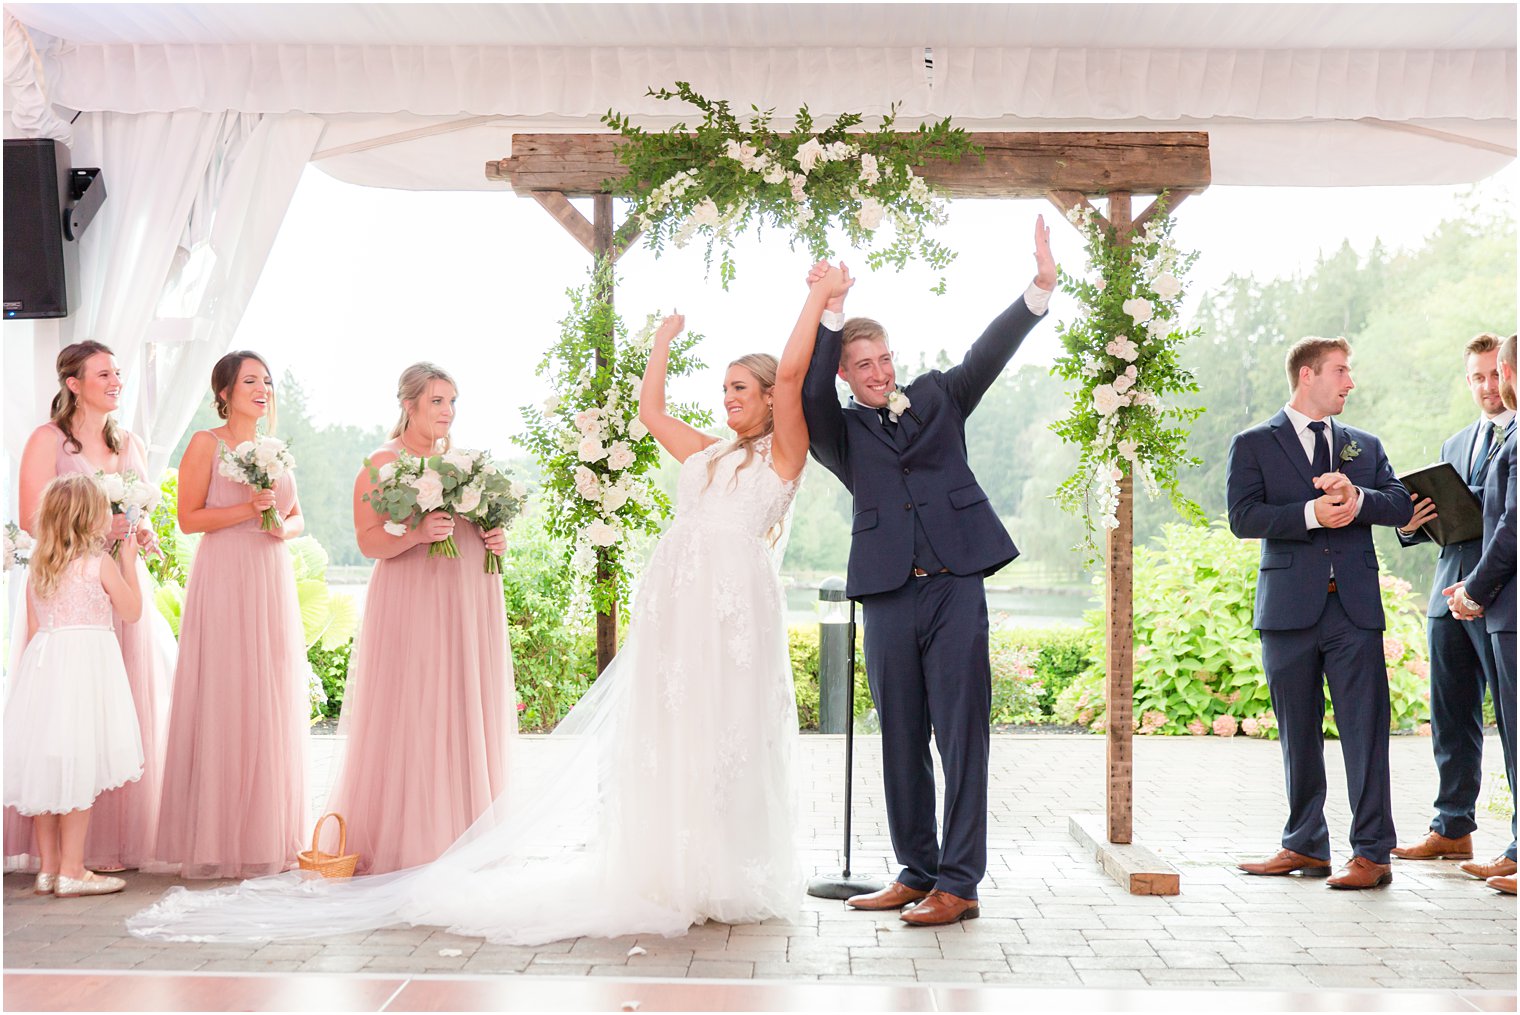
(665, 798)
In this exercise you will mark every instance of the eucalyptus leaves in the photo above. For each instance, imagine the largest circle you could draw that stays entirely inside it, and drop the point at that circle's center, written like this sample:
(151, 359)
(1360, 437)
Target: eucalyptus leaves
(714, 180)
(1123, 353)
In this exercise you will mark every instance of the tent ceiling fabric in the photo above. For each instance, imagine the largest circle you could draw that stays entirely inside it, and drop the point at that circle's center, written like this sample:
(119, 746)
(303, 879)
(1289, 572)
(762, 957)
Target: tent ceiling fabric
(420, 95)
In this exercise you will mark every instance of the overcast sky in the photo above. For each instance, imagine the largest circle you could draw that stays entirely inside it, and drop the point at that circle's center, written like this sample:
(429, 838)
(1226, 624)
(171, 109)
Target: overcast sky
(363, 281)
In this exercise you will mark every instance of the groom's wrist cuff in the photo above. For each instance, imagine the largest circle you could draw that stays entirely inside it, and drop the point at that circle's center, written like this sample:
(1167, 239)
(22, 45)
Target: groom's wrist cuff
(833, 320)
(1036, 299)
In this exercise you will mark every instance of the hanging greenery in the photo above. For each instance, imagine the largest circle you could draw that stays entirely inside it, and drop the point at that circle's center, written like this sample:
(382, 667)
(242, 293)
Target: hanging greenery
(1122, 351)
(714, 180)
(594, 454)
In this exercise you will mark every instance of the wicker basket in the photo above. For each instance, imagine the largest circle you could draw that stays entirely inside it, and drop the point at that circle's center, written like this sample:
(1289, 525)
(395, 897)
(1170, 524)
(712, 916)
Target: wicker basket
(329, 865)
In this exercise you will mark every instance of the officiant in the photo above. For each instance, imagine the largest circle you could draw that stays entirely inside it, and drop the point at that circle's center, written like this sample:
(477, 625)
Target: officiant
(1461, 658)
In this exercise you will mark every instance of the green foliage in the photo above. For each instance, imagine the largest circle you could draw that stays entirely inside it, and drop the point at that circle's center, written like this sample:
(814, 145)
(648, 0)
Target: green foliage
(592, 450)
(717, 178)
(331, 667)
(802, 648)
(1123, 353)
(173, 567)
(1057, 656)
(1197, 657)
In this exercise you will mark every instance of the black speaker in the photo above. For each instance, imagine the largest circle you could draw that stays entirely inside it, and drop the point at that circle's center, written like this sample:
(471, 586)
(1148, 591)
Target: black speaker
(48, 204)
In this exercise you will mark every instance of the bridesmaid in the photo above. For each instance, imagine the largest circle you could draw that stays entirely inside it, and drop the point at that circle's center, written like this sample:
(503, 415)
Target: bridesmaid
(429, 711)
(235, 770)
(82, 437)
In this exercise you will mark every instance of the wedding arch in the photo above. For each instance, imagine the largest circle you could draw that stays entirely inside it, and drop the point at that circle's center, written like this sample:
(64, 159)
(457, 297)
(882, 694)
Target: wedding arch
(203, 117)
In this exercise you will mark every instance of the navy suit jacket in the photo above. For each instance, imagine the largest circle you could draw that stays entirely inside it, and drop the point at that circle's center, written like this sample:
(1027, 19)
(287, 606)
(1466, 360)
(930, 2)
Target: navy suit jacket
(1268, 482)
(929, 477)
(1492, 582)
(1457, 559)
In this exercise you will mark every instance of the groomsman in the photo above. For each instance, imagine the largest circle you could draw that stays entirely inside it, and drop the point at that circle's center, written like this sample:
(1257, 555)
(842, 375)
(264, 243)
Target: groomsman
(1461, 655)
(1311, 490)
(1488, 597)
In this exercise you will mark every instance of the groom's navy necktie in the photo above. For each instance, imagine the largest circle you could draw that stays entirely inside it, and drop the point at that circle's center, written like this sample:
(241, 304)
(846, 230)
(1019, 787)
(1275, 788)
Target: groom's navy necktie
(1480, 463)
(1321, 461)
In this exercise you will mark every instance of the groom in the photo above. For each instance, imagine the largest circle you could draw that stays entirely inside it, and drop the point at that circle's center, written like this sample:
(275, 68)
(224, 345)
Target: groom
(924, 537)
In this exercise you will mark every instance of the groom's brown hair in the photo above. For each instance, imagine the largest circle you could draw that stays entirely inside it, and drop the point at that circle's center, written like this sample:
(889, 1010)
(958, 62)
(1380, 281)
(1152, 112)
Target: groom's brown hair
(1308, 352)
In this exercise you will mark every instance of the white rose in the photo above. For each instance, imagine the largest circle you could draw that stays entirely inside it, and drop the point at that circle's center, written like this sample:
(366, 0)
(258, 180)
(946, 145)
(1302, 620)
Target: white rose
(1139, 309)
(264, 455)
(386, 471)
(637, 430)
(705, 213)
(469, 499)
(115, 487)
(1089, 370)
(517, 490)
(799, 187)
(1127, 448)
(275, 469)
(1123, 383)
(395, 528)
(1124, 348)
(591, 450)
(775, 173)
(588, 421)
(1106, 400)
(551, 405)
(1166, 285)
(613, 498)
(1159, 328)
(619, 457)
(464, 461)
(429, 487)
(870, 214)
(1101, 284)
(808, 154)
(243, 449)
(584, 559)
(869, 174)
(601, 534)
(586, 483)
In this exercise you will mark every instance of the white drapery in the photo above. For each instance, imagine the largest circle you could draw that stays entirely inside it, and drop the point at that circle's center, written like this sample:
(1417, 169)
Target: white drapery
(220, 182)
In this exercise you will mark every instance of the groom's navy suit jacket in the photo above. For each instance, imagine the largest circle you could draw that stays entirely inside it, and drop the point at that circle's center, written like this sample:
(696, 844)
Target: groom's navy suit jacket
(1269, 480)
(1457, 559)
(923, 472)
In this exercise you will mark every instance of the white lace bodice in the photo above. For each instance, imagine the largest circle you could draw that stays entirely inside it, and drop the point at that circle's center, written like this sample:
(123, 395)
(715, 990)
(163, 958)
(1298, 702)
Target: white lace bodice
(79, 600)
(752, 499)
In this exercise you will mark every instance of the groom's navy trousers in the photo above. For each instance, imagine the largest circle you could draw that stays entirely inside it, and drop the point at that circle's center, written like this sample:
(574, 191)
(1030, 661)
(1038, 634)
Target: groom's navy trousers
(1319, 611)
(917, 507)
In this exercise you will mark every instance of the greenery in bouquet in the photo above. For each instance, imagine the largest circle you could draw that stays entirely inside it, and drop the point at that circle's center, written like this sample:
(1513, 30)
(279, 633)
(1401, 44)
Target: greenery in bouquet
(594, 454)
(258, 463)
(1123, 353)
(502, 499)
(410, 487)
(714, 180)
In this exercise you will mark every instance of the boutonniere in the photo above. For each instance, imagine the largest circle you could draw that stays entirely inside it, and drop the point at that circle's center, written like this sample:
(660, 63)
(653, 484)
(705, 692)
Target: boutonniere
(897, 404)
(1350, 451)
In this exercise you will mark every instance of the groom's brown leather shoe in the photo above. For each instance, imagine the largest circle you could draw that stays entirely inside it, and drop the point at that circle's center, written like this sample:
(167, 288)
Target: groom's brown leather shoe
(1285, 861)
(1436, 846)
(1361, 872)
(894, 896)
(941, 908)
(1499, 867)
(1505, 885)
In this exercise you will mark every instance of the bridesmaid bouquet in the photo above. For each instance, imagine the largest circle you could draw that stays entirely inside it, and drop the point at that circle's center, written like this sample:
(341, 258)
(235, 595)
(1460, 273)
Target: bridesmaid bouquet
(501, 500)
(129, 495)
(258, 463)
(18, 546)
(461, 482)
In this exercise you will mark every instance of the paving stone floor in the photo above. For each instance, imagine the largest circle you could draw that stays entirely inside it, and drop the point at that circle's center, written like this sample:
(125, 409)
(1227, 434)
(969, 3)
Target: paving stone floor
(1051, 916)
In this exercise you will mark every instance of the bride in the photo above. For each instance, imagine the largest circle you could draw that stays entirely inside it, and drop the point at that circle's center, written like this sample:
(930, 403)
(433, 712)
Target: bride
(665, 798)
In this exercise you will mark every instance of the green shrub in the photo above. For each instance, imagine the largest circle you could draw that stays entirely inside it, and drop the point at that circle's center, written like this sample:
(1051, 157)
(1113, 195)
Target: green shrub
(802, 646)
(1197, 657)
(331, 667)
(1059, 656)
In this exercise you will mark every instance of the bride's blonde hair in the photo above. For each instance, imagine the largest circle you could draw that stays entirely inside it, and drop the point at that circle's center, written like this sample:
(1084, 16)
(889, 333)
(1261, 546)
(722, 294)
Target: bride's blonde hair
(70, 523)
(763, 366)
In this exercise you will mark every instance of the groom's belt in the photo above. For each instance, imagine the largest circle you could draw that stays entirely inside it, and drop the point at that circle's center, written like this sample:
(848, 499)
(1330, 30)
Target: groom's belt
(919, 572)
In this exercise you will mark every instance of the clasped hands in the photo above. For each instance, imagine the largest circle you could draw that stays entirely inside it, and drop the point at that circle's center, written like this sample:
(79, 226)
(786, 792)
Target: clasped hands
(1337, 504)
(122, 530)
(1457, 601)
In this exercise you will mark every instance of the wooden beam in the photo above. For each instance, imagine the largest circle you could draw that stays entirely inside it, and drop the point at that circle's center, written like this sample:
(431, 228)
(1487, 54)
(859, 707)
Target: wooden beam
(1066, 200)
(1137, 869)
(567, 215)
(601, 246)
(1119, 688)
(1017, 164)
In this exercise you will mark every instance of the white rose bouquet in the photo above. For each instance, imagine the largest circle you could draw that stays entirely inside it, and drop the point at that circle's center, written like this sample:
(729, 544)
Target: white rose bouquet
(129, 495)
(411, 487)
(258, 463)
(18, 547)
(501, 500)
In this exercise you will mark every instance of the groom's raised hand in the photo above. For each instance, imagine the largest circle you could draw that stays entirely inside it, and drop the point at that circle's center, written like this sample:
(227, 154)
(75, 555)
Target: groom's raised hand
(1044, 263)
(837, 282)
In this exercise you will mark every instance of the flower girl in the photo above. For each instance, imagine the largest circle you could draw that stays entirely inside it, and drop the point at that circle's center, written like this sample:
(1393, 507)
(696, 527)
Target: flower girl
(70, 726)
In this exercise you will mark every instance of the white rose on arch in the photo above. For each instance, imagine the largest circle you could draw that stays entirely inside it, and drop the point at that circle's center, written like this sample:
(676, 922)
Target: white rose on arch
(1166, 285)
(1139, 309)
(1124, 348)
(871, 213)
(619, 457)
(601, 534)
(591, 450)
(1127, 448)
(705, 213)
(1107, 400)
(637, 430)
(808, 154)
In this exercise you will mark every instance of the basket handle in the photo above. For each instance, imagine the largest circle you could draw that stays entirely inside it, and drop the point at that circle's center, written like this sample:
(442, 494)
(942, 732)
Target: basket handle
(316, 833)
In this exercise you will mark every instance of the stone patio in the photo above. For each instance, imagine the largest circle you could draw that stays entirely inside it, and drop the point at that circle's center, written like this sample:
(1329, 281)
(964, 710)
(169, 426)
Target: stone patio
(1052, 918)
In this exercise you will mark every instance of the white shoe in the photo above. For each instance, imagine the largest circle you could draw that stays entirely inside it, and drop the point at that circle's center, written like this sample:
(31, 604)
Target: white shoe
(90, 884)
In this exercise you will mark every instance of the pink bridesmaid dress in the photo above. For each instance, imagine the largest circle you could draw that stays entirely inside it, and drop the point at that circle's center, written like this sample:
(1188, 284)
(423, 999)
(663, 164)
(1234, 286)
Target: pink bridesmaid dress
(124, 821)
(234, 803)
(430, 709)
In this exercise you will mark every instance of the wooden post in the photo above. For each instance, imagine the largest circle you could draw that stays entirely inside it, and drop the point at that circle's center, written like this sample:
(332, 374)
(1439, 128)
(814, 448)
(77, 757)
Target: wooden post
(1119, 687)
(602, 247)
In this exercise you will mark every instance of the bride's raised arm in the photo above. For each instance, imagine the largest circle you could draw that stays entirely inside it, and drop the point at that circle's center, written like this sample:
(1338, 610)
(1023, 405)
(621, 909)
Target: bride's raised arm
(676, 436)
(789, 446)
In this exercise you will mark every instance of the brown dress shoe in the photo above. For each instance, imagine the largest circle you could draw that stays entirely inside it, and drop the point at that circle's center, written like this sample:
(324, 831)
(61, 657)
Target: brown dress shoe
(1285, 861)
(1436, 846)
(894, 896)
(1498, 867)
(941, 908)
(1505, 885)
(1361, 872)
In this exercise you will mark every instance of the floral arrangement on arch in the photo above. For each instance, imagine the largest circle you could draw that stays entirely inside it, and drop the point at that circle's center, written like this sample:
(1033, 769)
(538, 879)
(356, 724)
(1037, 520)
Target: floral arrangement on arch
(714, 180)
(1122, 351)
(594, 453)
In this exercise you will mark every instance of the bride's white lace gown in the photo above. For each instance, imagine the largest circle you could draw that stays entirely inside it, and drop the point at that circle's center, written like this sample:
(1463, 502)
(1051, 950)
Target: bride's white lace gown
(664, 799)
